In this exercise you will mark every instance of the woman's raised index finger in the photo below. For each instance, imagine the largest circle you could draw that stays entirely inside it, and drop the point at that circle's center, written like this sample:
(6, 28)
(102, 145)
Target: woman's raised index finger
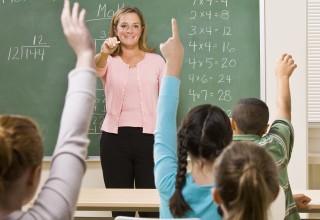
(175, 30)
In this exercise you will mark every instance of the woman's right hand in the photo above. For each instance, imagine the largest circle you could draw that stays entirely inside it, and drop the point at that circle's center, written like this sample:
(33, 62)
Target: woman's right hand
(109, 45)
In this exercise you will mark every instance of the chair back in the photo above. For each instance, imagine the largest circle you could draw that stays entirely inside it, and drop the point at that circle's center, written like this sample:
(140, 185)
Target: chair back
(277, 208)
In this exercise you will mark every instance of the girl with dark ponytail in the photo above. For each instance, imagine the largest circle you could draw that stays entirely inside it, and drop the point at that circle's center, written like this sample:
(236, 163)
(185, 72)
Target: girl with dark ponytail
(203, 134)
(246, 182)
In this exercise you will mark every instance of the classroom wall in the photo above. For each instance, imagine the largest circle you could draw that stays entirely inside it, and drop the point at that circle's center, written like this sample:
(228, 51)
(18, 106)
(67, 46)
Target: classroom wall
(285, 31)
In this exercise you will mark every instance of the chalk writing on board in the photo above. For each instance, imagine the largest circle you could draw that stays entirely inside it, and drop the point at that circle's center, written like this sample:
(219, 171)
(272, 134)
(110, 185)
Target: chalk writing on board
(203, 79)
(36, 51)
(227, 48)
(103, 12)
(222, 95)
(209, 30)
(12, 1)
(210, 62)
(224, 78)
(206, 78)
(209, 2)
(209, 53)
(99, 112)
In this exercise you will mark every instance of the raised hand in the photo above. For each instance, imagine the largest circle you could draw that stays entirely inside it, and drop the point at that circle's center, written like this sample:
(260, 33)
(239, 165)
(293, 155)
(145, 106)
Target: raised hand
(284, 69)
(77, 33)
(173, 51)
(285, 66)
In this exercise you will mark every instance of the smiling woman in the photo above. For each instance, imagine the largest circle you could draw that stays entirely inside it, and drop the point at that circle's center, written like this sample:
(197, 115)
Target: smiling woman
(131, 75)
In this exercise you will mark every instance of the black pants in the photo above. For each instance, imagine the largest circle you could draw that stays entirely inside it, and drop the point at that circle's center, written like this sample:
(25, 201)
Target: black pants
(127, 162)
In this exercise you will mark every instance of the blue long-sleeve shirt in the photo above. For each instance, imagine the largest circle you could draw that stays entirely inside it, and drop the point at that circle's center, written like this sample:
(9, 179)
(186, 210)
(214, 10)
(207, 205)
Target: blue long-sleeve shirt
(198, 197)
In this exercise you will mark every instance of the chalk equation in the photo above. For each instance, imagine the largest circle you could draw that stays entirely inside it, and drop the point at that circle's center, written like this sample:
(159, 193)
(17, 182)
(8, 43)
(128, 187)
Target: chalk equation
(224, 47)
(209, 2)
(12, 1)
(210, 78)
(209, 14)
(36, 51)
(209, 30)
(205, 94)
(99, 113)
(211, 53)
(210, 62)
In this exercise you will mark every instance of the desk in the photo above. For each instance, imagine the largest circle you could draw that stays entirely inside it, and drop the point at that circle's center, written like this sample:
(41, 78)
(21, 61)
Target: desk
(315, 200)
(95, 199)
(148, 200)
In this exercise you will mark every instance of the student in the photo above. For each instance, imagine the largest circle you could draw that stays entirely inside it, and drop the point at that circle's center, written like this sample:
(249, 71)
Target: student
(21, 145)
(131, 74)
(250, 118)
(246, 182)
(203, 134)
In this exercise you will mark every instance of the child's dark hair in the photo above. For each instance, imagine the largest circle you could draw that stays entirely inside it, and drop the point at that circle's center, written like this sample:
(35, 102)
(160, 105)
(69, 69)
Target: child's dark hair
(246, 180)
(251, 115)
(203, 133)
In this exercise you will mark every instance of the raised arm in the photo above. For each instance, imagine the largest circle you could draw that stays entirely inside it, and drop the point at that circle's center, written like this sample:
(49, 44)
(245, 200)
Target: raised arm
(166, 130)
(59, 195)
(173, 51)
(77, 34)
(284, 69)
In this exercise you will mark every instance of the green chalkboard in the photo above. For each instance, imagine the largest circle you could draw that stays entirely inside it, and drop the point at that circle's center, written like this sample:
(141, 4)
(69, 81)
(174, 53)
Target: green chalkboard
(221, 65)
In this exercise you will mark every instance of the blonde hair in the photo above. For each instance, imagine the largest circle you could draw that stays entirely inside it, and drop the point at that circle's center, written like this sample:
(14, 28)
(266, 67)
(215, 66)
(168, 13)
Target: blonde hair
(21, 147)
(143, 38)
(246, 181)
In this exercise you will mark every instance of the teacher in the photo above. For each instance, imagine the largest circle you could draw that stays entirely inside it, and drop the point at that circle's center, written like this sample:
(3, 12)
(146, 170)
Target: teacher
(131, 74)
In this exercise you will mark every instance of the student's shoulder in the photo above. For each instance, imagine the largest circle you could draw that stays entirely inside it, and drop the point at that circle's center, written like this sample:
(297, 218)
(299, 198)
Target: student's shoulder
(282, 123)
(281, 129)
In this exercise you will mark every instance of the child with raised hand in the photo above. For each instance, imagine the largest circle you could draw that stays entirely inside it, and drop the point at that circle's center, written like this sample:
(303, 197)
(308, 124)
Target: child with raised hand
(246, 182)
(21, 145)
(203, 134)
(250, 118)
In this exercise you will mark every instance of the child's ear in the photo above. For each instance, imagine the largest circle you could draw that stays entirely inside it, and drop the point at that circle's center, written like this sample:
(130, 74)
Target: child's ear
(277, 194)
(233, 124)
(235, 128)
(34, 175)
(216, 197)
(264, 130)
